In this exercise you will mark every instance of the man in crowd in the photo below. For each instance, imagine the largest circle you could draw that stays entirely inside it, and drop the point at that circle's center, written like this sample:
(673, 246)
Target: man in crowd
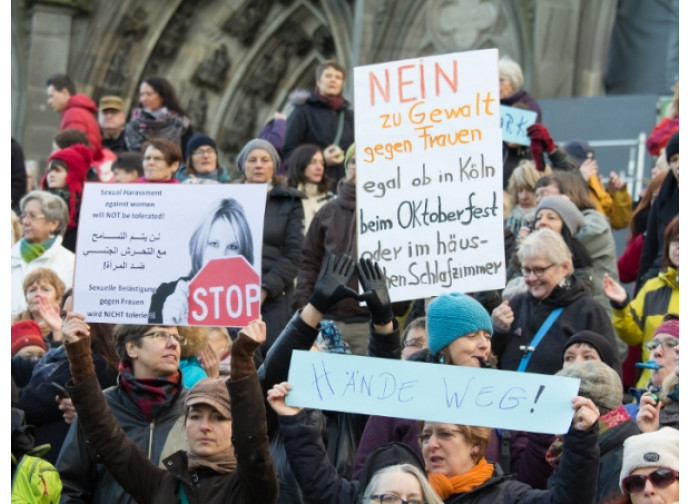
(77, 110)
(111, 119)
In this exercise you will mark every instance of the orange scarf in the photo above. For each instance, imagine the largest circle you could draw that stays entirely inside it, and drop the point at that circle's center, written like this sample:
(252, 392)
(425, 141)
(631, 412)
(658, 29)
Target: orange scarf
(445, 486)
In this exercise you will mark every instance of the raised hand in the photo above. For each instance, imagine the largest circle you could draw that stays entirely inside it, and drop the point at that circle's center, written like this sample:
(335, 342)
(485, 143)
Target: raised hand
(74, 327)
(276, 398)
(375, 291)
(256, 330)
(613, 290)
(588, 168)
(586, 413)
(615, 182)
(65, 405)
(539, 135)
(332, 287)
(648, 415)
(502, 317)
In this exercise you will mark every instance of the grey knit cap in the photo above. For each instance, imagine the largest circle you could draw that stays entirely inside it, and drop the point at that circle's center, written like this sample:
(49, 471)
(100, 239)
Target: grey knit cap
(566, 210)
(257, 143)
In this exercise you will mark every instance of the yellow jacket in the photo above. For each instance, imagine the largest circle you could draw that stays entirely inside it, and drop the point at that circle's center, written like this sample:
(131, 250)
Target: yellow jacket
(616, 205)
(636, 321)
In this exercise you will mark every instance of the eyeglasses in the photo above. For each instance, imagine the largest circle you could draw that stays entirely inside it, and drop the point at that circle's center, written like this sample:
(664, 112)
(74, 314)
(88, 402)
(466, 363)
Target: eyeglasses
(155, 159)
(538, 272)
(661, 478)
(201, 152)
(668, 344)
(394, 499)
(443, 435)
(165, 335)
(31, 216)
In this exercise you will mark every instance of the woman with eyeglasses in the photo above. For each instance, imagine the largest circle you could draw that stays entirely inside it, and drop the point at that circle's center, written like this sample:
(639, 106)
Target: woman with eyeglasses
(399, 484)
(650, 474)
(459, 472)
(636, 320)
(531, 329)
(161, 161)
(202, 165)
(227, 459)
(44, 220)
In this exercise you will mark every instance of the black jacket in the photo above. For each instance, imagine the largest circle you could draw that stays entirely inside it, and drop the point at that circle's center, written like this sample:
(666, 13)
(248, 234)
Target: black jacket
(580, 312)
(315, 122)
(282, 240)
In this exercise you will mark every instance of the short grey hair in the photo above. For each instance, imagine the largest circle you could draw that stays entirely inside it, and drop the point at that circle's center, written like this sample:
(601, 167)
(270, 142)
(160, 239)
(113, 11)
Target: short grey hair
(429, 496)
(512, 71)
(547, 244)
(52, 206)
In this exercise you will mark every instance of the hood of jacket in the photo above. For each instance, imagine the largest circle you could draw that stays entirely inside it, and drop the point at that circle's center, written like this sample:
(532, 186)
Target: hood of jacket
(81, 101)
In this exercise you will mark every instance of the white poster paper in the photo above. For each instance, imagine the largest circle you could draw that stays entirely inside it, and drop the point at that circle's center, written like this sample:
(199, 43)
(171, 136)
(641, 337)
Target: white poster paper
(141, 246)
(429, 173)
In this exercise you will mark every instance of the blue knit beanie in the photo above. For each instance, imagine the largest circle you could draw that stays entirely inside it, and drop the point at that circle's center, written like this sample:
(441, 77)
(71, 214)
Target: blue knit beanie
(197, 140)
(451, 316)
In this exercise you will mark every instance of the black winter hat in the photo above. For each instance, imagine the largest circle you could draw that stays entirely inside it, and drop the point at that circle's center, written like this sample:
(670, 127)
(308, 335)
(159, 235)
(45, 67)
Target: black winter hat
(606, 349)
(385, 455)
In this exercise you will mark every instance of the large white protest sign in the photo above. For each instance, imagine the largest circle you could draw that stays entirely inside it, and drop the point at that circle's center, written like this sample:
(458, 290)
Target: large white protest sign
(172, 254)
(433, 392)
(429, 173)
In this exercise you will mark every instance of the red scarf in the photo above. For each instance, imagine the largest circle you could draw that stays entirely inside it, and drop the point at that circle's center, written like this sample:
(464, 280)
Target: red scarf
(152, 395)
(445, 486)
(335, 102)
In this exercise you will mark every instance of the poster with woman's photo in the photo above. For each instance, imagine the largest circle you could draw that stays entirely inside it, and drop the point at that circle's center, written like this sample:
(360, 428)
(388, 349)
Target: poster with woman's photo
(166, 254)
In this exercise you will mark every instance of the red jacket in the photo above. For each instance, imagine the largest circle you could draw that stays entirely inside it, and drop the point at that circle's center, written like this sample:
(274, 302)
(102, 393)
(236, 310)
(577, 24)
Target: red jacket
(79, 113)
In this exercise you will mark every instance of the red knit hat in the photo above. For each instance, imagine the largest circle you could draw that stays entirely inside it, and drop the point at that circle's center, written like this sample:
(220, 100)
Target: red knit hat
(25, 333)
(78, 159)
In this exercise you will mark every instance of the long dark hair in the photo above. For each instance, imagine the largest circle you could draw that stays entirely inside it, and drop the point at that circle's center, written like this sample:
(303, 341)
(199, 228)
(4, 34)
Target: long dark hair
(298, 162)
(671, 233)
(102, 343)
(163, 87)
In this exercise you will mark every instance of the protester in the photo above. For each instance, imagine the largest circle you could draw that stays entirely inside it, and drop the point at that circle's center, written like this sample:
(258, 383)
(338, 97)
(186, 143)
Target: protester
(44, 220)
(202, 165)
(224, 422)
(650, 468)
(65, 177)
(162, 158)
(26, 340)
(44, 292)
(305, 172)
(600, 383)
(158, 115)
(663, 408)
(112, 119)
(521, 195)
(636, 320)
(324, 119)
(128, 167)
(586, 346)
(283, 235)
(402, 483)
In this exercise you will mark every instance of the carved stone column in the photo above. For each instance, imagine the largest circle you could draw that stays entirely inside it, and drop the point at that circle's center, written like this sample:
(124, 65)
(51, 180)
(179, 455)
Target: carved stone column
(51, 27)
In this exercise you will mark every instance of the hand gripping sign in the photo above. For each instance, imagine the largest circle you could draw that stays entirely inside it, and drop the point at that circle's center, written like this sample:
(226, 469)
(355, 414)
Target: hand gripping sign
(219, 298)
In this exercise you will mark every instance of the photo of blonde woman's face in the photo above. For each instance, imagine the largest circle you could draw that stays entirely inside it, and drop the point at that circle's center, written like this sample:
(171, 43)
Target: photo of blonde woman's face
(222, 241)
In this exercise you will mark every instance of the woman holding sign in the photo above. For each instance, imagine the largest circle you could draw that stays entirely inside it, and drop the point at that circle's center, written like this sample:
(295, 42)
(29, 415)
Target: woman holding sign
(223, 232)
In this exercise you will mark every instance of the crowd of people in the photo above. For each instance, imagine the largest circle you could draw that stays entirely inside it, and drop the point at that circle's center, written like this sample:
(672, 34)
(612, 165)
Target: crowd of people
(166, 413)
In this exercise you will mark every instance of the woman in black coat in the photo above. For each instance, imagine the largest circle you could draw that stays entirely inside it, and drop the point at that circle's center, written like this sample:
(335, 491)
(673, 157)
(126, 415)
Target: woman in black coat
(283, 235)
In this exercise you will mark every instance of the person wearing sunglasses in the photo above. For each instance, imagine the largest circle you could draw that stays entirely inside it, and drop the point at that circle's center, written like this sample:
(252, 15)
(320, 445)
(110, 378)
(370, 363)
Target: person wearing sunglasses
(650, 468)
(227, 458)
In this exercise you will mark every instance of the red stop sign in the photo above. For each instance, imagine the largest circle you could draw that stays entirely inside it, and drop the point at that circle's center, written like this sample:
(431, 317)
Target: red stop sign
(226, 292)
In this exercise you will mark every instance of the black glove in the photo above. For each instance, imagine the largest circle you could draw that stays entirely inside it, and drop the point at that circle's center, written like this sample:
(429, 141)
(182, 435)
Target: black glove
(333, 285)
(375, 291)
